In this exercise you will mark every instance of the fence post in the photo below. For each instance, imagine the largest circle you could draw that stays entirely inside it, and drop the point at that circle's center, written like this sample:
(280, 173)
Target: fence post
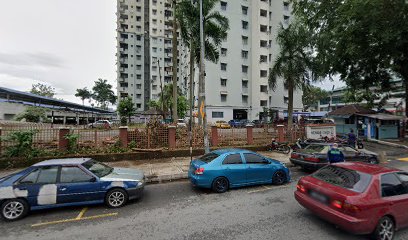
(214, 135)
(62, 141)
(281, 134)
(172, 137)
(123, 136)
(250, 134)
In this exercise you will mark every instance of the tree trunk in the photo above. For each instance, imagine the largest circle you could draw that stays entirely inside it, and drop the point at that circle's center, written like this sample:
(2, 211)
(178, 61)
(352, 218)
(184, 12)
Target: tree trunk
(192, 73)
(200, 98)
(290, 108)
(175, 64)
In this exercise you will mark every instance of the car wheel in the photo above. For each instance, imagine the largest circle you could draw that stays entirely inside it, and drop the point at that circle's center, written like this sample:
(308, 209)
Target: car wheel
(116, 198)
(385, 229)
(285, 149)
(220, 185)
(279, 178)
(14, 209)
(373, 161)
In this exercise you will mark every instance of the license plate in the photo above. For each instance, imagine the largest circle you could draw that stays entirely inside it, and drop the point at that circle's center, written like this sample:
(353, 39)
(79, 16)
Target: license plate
(318, 197)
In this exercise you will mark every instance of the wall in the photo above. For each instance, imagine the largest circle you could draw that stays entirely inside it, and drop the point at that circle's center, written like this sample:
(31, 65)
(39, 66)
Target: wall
(388, 132)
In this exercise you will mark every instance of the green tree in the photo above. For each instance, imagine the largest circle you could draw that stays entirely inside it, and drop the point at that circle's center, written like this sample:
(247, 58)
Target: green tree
(84, 94)
(294, 62)
(43, 90)
(216, 28)
(365, 42)
(182, 103)
(126, 108)
(312, 94)
(103, 94)
(32, 114)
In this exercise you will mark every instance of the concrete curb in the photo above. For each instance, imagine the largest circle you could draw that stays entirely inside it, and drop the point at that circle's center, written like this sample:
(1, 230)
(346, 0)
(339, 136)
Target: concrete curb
(388, 143)
(166, 178)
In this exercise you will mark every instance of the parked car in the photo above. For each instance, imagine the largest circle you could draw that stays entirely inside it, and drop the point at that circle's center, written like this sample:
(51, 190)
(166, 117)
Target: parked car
(357, 197)
(229, 168)
(234, 123)
(258, 123)
(181, 123)
(244, 123)
(222, 124)
(67, 182)
(100, 124)
(314, 156)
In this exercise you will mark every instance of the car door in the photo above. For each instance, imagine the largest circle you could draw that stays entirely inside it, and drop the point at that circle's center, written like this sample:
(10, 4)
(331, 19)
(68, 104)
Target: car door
(258, 168)
(75, 185)
(403, 176)
(234, 169)
(40, 185)
(395, 195)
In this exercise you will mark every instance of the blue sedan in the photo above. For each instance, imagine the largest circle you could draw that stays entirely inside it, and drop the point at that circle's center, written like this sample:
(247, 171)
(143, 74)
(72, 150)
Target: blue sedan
(230, 168)
(67, 182)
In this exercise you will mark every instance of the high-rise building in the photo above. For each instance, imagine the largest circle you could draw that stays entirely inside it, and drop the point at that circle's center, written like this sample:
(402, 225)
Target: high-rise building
(236, 86)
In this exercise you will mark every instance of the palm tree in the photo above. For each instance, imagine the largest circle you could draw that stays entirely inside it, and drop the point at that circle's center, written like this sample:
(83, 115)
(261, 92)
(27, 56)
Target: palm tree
(216, 29)
(83, 93)
(293, 63)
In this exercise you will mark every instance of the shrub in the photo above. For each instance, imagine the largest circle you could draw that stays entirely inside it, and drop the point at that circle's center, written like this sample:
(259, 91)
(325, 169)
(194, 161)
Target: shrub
(21, 144)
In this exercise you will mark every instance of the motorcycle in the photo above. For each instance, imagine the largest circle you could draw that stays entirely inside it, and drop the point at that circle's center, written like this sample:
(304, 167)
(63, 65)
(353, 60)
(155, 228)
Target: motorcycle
(279, 147)
(299, 144)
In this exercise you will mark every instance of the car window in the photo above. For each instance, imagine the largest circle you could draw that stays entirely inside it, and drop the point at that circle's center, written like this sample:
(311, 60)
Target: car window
(345, 178)
(30, 178)
(403, 177)
(208, 157)
(316, 149)
(97, 168)
(48, 175)
(73, 175)
(232, 159)
(391, 185)
(253, 159)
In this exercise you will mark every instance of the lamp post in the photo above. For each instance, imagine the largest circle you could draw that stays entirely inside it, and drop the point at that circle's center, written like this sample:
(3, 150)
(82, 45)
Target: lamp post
(202, 78)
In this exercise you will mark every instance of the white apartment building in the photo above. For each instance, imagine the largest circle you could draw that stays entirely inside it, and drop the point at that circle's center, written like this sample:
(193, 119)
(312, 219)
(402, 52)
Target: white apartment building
(144, 50)
(236, 87)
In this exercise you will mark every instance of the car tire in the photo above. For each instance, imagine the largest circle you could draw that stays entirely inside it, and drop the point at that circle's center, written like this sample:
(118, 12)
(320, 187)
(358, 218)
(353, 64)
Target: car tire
(373, 161)
(14, 209)
(116, 198)
(220, 185)
(279, 178)
(285, 149)
(385, 229)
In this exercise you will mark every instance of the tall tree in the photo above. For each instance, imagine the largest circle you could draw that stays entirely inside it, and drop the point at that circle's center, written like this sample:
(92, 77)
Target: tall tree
(43, 90)
(293, 63)
(216, 29)
(312, 94)
(175, 63)
(126, 108)
(103, 94)
(84, 94)
(366, 42)
(168, 101)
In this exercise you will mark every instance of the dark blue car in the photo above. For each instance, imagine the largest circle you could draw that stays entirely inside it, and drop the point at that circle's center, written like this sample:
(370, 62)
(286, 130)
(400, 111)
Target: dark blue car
(234, 123)
(229, 168)
(67, 182)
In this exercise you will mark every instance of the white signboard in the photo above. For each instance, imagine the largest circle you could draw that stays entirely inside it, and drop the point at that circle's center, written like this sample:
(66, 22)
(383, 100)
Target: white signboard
(319, 131)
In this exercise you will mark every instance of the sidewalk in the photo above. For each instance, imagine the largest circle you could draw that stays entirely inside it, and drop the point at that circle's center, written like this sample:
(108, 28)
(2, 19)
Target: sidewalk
(167, 169)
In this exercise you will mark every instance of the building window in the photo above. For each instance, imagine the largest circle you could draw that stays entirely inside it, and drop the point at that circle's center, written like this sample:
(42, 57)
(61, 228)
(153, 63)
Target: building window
(138, 76)
(244, 54)
(244, 25)
(244, 99)
(138, 86)
(263, 73)
(217, 114)
(244, 83)
(263, 13)
(223, 66)
(285, 99)
(224, 6)
(244, 10)
(138, 96)
(263, 43)
(223, 52)
(244, 40)
(223, 97)
(286, 6)
(223, 82)
(263, 28)
(264, 88)
(244, 69)
(263, 58)
(138, 105)
(263, 103)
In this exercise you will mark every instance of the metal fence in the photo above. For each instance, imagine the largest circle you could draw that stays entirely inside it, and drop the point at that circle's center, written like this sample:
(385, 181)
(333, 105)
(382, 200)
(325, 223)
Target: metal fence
(183, 138)
(265, 134)
(96, 137)
(232, 137)
(45, 139)
(148, 138)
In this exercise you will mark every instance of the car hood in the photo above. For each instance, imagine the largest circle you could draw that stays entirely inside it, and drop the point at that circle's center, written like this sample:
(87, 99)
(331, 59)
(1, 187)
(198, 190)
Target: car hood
(124, 174)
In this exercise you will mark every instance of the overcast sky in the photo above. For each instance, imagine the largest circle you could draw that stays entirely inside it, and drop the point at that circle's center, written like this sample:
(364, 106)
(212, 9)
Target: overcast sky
(64, 43)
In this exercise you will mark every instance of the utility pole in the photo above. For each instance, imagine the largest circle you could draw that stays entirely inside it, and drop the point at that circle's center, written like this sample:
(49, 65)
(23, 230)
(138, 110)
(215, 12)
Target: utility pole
(161, 88)
(202, 79)
(190, 134)
(175, 64)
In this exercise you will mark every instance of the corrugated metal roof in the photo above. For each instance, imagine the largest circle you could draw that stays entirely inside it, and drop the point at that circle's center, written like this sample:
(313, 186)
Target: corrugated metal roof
(382, 116)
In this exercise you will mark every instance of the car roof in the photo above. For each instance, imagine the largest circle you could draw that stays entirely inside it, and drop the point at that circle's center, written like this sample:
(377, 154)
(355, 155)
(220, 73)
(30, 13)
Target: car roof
(62, 161)
(372, 169)
(231, 150)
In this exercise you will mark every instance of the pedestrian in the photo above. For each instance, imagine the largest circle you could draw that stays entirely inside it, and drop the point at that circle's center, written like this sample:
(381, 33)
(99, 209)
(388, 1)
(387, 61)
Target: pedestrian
(334, 155)
(351, 139)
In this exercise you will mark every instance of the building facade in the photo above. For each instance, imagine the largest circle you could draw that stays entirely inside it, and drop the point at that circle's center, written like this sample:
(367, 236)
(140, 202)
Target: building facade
(236, 86)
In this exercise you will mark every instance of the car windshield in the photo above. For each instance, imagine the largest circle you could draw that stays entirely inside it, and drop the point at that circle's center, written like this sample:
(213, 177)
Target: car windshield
(316, 149)
(345, 178)
(208, 157)
(97, 168)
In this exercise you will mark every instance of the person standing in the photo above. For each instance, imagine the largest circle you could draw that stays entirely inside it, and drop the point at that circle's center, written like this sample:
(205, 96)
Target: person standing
(334, 155)
(351, 139)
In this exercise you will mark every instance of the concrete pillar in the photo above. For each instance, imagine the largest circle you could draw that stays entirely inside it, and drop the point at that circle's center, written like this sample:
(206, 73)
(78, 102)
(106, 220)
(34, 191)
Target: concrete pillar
(281, 133)
(369, 129)
(123, 136)
(172, 137)
(65, 120)
(214, 136)
(250, 135)
(62, 142)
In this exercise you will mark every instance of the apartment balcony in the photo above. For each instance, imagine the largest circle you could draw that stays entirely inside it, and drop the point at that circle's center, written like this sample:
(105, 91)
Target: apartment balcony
(123, 60)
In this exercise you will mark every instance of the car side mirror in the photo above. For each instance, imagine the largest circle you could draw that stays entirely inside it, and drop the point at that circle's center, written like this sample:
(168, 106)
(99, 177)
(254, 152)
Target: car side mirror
(93, 179)
(266, 161)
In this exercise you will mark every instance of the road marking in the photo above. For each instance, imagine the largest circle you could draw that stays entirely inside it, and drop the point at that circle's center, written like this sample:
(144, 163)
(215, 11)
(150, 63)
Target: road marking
(265, 188)
(74, 219)
(81, 214)
(403, 159)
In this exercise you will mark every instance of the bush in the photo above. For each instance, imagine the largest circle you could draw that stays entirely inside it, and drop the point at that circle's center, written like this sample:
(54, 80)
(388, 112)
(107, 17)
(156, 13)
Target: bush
(21, 144)
(72, 142)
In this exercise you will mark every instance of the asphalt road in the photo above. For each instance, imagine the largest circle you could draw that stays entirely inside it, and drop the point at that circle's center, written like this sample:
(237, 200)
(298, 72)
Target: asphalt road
(178, 211)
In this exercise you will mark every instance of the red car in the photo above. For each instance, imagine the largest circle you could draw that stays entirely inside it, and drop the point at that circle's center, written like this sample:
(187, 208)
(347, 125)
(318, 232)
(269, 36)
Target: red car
(358, 197)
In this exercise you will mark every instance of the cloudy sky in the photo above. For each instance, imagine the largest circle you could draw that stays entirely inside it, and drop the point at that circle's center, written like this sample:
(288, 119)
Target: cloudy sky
(64, 43)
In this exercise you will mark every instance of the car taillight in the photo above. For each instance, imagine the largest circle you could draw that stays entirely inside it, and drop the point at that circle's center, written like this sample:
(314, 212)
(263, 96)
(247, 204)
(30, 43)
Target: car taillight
(293, 155)
(312, 159)
(337, 204)
(346, 207)
(301, 188)
(199, 171)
